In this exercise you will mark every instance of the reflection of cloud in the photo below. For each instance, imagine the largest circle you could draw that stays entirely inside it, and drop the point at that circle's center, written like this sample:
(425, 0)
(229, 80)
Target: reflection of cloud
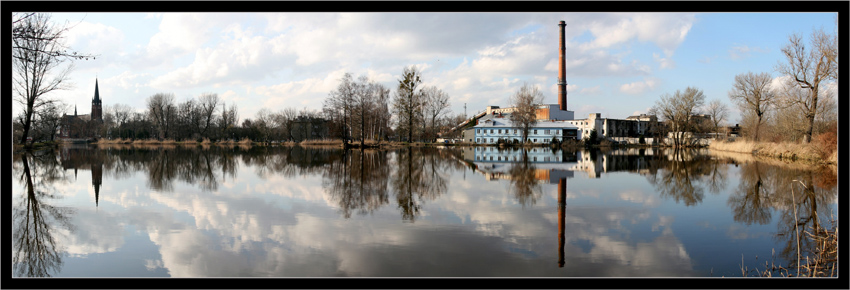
(640, 197)
(285, 227)
(95, 232)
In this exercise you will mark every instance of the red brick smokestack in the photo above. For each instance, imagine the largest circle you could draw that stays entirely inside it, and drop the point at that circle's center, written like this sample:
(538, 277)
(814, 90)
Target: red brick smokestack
(562, 70)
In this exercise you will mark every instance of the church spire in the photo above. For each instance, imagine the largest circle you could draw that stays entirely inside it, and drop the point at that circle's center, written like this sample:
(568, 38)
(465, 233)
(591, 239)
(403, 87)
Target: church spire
(75, 109)
(96, 93)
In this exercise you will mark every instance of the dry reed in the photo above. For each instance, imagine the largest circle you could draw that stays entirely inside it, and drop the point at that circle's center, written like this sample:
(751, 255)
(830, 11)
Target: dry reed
(782, 150)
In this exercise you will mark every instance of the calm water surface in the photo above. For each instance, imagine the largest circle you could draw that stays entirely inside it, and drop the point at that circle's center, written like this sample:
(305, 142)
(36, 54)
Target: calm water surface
(412, 212)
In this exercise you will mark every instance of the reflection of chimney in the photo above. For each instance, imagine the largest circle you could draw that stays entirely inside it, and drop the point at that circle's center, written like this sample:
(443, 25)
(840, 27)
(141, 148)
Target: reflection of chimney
(562, 69)
(562, 204)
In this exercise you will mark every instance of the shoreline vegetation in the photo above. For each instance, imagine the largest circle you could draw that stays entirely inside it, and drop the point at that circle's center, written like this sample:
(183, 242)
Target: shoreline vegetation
(785, 151)
(812, 153)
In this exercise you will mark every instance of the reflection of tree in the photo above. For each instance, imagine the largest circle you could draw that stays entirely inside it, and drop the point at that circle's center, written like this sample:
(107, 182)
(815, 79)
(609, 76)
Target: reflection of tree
(35, 251)
(524, 183)
(358, 181)
(803, 209)
(751, 203)
(680, 179)
(417, 178)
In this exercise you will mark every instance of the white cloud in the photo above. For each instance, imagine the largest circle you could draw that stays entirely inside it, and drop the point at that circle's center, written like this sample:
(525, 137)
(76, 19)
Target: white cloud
(666, 30)
(664, 62)
(743, 51)
(639, 87)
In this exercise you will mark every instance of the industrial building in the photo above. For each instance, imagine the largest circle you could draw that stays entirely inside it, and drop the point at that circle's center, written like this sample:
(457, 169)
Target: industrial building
(556, 122)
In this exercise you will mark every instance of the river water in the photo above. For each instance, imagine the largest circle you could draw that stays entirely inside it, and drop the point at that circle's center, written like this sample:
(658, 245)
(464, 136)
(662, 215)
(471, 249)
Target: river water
(410, 212)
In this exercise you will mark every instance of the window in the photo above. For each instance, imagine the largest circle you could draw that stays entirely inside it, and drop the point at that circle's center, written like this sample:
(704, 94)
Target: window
(514, 131)
(535, 131)
(477, 140)
(534, 140)
(546, 132)
(500, 131)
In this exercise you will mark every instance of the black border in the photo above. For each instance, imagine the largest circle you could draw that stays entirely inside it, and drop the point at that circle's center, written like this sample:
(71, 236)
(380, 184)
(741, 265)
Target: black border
(841, 7)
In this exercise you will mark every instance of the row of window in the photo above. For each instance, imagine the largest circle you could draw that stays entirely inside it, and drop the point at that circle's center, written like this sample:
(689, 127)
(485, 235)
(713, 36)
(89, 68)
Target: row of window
(495, 140)
(491, 149)
(515, 131)
(515, 158)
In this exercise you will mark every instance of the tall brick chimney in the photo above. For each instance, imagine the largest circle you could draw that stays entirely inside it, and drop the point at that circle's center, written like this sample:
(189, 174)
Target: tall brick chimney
(562, 67)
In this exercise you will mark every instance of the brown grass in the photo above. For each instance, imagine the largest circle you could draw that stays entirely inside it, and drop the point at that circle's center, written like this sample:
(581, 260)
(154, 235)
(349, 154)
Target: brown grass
(322, 142)
(781, 150)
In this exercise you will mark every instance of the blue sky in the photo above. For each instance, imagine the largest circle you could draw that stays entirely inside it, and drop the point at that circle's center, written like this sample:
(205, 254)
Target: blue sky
(618, 64)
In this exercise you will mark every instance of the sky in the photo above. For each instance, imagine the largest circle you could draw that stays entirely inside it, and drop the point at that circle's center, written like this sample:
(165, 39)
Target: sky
(618, 64)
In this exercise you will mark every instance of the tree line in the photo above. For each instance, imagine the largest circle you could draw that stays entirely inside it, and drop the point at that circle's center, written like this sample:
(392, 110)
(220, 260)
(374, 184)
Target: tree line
(795, 107)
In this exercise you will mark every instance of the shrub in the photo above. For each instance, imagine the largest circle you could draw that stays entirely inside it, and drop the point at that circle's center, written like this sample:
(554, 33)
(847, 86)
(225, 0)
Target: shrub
(825, 144)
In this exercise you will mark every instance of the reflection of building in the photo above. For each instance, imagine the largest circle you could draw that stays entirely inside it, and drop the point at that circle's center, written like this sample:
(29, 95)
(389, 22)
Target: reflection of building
(496, 162)
(83, 126)
(84, 159)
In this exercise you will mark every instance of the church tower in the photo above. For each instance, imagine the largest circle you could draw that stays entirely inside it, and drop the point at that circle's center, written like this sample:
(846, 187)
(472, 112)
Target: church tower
(96, 109)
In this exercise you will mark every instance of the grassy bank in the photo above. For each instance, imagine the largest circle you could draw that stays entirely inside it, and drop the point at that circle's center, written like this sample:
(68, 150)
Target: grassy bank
(782, 150)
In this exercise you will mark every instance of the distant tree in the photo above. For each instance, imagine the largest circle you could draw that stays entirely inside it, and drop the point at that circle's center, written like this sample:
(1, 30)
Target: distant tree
(50, 119)
(436, 105)
(207, 106)
(678, 110)
(809, 68)
(407, 105)
(381, 110)
(162, 112)
(525, 102)
(362, 103)
(227, 120)
(37, 51)
(338, 105)
(283, 121)
(752, 93)
(718, 112)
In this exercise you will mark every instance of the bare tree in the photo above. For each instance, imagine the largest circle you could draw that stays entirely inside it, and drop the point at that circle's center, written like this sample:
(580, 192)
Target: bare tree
(809, 69)
(207, 104)
(790, 120)
(37, 52)
(752, 92)
(525, 102)
(362, 105)
(407, 105)
(678, 110)
(718, 112)
(382, 111)
(161, 111)
(338, 105)
(50, 119)
(283, 121)
(227, 120)
(436, 105)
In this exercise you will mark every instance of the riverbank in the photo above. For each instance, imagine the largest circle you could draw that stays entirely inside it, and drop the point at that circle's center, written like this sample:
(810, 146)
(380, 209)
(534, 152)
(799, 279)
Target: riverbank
(788, 151)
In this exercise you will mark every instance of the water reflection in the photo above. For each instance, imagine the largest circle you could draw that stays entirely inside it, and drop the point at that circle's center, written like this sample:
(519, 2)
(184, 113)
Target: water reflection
(456, 206)
(358, 181)
(35, 221)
